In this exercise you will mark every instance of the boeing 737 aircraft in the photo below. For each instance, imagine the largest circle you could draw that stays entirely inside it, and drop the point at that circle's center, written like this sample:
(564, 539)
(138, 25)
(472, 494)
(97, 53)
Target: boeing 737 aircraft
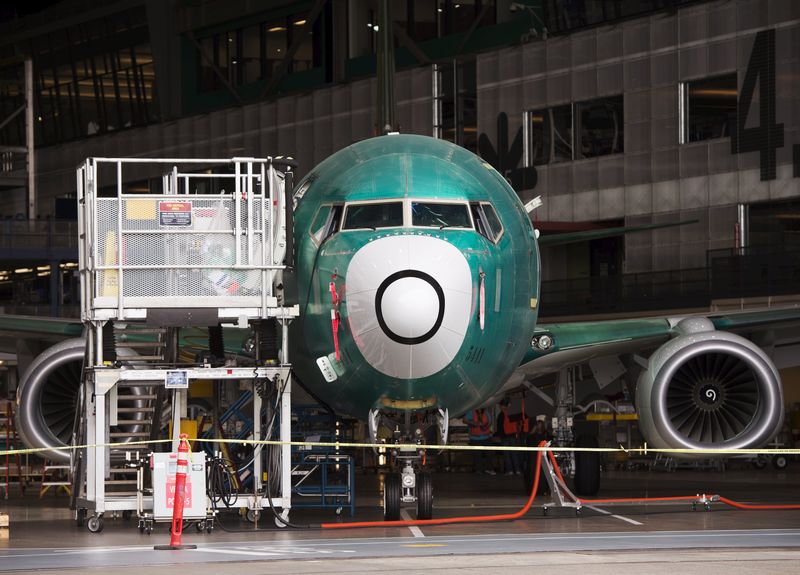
(417, 274)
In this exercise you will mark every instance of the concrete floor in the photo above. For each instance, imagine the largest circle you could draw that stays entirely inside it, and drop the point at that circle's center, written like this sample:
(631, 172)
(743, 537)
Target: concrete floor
(43, 534)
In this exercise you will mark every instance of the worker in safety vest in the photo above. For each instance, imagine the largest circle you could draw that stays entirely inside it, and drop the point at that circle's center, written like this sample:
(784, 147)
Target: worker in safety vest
(480, 435)
(509, 433)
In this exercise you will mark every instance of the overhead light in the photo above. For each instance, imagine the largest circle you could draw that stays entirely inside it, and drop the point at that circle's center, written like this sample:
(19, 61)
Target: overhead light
(42, 274)
(43, 269)
(276, 29)
(369, 25)
(375, 27)
(299, 22)
(23, 270)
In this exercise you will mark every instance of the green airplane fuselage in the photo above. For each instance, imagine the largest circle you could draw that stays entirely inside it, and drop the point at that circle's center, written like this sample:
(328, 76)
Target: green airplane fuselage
(434, 310)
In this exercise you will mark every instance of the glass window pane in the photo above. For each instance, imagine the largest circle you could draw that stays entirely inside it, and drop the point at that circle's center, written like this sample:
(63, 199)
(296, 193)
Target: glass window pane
(601, 127)
(275, 46)
(492, 220)
(383, 215)
(561, 119)
(206, 80)
(436, 215)
(539, 129)
(711, 107)
(304, 57)
(251, 54)
(320, 223)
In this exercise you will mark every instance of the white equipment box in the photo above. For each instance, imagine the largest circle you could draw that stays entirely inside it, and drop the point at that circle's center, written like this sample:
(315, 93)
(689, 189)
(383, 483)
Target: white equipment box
(163, 467)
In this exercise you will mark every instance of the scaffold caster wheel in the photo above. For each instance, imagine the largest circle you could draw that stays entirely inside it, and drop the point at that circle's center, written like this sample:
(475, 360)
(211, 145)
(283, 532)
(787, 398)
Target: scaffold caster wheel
(209, 526)
(127, 514)
(284, 515)
(578, 511)
(140, 526)
(95, 524)
(80, 517)
(148, 528)
(200, 526)
(707, 506)
(544, 511)
(694, 506)
(252, 515)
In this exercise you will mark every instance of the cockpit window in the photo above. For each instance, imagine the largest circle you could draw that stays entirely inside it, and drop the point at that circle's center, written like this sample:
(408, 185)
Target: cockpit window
(493, 221)
(325, 223)
(374, 216)
(438, 215)
(486, 221)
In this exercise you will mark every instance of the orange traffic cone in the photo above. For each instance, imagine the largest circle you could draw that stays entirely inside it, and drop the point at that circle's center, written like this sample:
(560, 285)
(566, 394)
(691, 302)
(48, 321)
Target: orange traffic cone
(180, 493)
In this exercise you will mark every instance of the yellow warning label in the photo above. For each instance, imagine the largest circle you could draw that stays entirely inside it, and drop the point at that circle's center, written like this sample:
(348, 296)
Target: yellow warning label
(140, 209)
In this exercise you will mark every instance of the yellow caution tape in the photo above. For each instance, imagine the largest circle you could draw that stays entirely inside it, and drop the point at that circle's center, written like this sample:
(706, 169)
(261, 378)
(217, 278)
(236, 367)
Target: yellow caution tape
(645, 449)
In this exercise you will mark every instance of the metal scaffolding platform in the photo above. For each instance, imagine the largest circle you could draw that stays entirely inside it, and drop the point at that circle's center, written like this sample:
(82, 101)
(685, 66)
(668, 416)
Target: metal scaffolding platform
(204, 247)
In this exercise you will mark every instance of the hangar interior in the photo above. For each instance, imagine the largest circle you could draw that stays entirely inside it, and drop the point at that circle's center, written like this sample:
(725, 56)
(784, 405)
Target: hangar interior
(195, 200)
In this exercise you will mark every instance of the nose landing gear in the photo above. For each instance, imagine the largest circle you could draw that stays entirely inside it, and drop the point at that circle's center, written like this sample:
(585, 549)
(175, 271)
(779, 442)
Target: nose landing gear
(411, 484)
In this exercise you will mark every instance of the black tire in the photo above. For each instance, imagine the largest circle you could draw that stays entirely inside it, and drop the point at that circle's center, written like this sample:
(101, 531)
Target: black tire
(392, 495)
(95, 524)
(424, 496)
(587, 467)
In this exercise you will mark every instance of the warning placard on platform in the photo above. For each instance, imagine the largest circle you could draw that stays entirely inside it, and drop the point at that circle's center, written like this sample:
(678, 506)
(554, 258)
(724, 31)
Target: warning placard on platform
(175, 213)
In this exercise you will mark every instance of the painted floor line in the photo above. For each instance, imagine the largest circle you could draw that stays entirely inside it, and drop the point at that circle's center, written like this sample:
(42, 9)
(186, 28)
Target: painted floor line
(620, 517)
(415, 531)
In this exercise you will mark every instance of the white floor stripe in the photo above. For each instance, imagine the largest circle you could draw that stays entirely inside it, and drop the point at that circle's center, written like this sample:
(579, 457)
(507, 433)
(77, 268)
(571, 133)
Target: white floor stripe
(620, 517)
(415, 531)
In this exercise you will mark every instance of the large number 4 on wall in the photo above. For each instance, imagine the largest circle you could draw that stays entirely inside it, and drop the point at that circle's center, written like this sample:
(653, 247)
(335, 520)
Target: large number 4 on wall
(767, 136)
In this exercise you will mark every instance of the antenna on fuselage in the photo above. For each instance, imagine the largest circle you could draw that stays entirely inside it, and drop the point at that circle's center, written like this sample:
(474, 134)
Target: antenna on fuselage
(386, 122)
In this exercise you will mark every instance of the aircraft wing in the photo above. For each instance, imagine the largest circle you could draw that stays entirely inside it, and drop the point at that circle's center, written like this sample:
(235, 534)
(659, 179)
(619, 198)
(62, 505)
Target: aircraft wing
(578, 342)
(22, 326)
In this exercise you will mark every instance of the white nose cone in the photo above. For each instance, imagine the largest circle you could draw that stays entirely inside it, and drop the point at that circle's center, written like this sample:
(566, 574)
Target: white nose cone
(410, 307)
(408, 303)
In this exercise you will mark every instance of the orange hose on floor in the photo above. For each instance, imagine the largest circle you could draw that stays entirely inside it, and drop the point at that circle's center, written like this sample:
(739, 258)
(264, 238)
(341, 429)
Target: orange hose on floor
(450, 520)
(731, 502)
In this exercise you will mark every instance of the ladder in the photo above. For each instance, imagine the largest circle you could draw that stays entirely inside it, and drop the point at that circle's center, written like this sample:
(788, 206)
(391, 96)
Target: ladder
(59, 478)
(8, 435)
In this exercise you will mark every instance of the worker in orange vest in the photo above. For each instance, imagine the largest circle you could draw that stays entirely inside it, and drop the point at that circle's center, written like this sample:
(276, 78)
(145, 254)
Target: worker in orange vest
(480, 435)
(509, 433)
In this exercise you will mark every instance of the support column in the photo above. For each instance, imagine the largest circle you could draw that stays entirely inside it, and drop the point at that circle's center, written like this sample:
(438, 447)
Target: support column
(29, 139)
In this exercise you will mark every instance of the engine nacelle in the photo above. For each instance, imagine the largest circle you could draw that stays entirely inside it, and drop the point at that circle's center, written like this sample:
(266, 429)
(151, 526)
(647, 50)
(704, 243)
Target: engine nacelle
(708, 389)
(47, 398)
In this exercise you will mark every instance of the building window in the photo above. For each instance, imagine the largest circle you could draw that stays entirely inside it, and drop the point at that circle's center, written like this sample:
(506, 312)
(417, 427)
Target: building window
(254, 53)
(708, 108)
(550, 135)
(455, 103)
(599, 127)
(575, 131)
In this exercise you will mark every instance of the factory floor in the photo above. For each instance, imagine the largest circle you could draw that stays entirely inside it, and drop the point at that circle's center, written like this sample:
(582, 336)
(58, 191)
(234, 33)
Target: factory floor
(652, 538)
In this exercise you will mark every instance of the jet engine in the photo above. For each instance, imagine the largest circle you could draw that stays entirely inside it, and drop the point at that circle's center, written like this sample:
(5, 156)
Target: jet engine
(707, 389)
(47, 398)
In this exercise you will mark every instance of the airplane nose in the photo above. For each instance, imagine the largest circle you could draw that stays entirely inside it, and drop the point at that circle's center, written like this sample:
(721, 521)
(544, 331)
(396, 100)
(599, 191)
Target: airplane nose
(408, 303)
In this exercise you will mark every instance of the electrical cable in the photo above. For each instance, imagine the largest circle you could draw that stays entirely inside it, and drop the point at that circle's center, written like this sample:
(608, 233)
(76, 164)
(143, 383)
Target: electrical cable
(731, 502)
(450, 520)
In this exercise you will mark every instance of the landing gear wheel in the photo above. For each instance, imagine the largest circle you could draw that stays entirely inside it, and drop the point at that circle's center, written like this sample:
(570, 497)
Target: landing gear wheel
(392, 495)
(80, 517)
(424, 495)
(95, 524)
(780, 462)
(587, 467)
